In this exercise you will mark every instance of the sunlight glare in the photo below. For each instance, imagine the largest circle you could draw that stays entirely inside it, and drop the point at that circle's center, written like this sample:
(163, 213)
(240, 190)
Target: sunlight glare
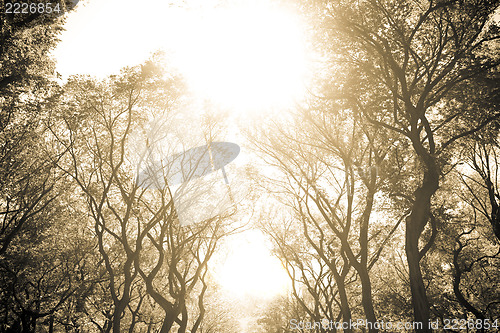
(242, 55)
(250, 269)
(245, 56)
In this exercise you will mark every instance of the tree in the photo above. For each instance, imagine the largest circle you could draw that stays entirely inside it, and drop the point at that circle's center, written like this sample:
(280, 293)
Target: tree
(43, 270)
(32, 289)
(332, 169)
(147, 255)
(483, 185)
(279, 312)
(404, 60)
(220, 311)
(27, 91)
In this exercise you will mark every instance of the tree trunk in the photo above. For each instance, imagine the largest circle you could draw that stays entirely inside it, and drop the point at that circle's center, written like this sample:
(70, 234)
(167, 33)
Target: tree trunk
(418, 296)
(168, 321)
(366, 298)
(184, 321)
(415, 225)
(51, 324)
(362, 267)
(117, 315)
(25, 323)
(344, 303)
(457, 277)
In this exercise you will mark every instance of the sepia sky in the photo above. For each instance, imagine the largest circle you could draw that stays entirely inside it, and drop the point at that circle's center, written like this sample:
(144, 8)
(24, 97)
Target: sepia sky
(241, 55)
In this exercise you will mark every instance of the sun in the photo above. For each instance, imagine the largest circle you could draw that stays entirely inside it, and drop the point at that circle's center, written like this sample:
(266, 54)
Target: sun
(249, 269)
(242, 56)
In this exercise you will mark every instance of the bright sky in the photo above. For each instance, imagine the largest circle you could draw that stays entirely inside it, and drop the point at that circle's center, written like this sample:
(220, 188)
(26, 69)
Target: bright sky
(249, 269)
(247, 55)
